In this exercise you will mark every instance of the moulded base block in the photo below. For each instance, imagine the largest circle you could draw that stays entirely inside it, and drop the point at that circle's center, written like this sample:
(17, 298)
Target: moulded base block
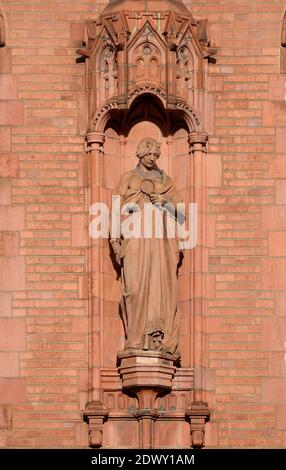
(146, 369)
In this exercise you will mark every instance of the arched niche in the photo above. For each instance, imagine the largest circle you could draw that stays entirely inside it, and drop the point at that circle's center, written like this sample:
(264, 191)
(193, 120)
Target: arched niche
(162, 65)
(123, 131)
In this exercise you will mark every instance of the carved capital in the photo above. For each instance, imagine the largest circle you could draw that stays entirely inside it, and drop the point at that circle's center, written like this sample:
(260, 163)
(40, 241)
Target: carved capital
(146, 419)
(94, 140)
(122, 140)
(95, 415)
(198, 415)
(198, 143)
(150, 414)
(196, 138)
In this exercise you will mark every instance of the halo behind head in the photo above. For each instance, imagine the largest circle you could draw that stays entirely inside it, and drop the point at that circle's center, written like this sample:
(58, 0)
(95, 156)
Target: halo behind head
(146, 145)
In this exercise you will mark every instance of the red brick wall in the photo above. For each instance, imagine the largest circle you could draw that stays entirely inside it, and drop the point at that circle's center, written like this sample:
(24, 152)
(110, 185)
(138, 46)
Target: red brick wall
(43, 311)
(246, 324)
(43, 316)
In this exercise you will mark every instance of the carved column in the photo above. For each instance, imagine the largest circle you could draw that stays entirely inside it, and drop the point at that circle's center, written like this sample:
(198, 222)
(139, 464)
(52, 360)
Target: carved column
(170, 142)
(95, 414)
(199, 409)
(146, 420)
(122, 143)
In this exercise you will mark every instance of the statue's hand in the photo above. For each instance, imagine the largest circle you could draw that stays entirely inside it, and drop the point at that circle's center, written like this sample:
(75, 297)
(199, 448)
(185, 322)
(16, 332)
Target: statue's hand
(157, 199)
(118, 250)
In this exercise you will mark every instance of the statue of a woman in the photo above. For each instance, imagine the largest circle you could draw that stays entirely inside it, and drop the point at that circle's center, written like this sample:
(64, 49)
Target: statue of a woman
(149, 265)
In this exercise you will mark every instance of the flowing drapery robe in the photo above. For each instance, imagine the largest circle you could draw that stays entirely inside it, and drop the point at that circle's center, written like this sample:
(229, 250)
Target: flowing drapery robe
(149, 270)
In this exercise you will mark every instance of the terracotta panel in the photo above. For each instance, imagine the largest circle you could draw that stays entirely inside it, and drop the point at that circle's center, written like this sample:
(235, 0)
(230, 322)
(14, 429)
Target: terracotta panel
(12, 391)
(12, 273)
(13, 334)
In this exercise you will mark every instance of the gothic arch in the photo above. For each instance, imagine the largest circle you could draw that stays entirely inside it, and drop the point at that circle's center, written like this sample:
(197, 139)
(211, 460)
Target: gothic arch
(146, 89)
(183, 113)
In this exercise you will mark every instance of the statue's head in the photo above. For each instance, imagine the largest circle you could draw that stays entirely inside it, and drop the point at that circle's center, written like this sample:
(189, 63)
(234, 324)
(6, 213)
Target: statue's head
(148, 151)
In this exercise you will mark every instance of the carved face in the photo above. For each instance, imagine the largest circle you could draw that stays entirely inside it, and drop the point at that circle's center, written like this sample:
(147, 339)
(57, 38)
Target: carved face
(149, 160)
(148, 152)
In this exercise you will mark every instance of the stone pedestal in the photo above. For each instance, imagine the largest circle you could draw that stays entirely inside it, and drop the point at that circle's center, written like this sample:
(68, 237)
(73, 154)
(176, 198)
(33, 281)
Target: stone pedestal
(146, 375)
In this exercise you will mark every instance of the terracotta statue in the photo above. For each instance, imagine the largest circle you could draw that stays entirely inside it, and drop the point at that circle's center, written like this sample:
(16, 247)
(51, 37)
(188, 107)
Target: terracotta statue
(149, 265)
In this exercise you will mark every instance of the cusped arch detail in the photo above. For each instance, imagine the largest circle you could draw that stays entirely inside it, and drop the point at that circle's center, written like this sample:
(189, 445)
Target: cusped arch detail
(103, 114)
(101, 117)
(147, 89)
(191, 117)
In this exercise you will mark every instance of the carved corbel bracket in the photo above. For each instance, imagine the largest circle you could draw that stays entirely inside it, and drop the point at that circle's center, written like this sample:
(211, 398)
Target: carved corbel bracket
(146, 375)
(198, 415)
(173, 44)
(122, 38)
(208, 53)
(95, 415)
(86, 53)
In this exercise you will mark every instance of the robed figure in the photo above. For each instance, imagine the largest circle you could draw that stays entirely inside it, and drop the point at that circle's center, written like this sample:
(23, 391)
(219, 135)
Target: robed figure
(149, 263)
